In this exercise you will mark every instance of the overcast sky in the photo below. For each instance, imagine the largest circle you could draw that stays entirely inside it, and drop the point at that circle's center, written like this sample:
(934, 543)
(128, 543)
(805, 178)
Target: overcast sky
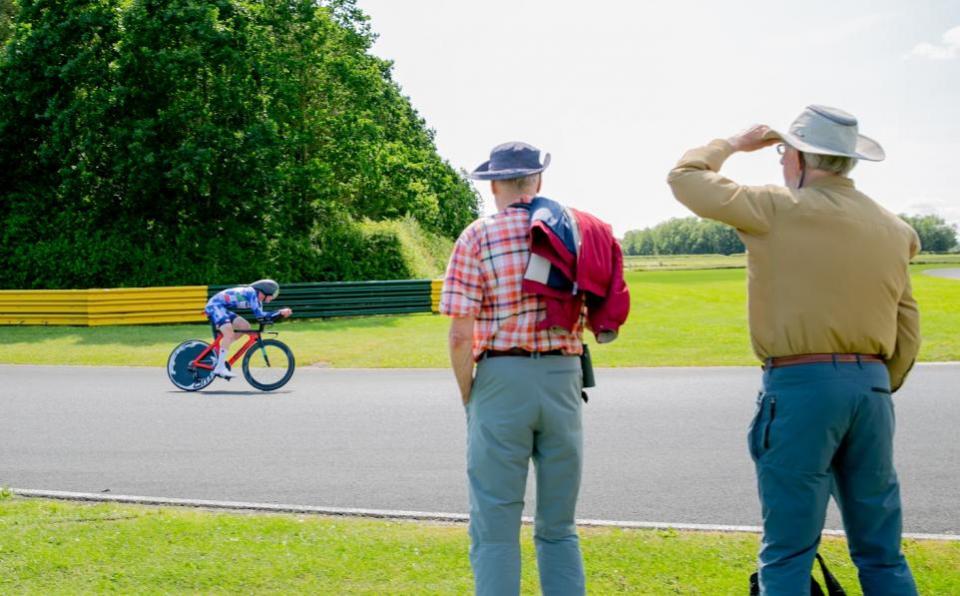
(617, 90)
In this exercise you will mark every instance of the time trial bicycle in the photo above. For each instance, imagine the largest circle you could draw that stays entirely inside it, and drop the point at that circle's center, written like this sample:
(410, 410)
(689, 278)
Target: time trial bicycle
(267, 365)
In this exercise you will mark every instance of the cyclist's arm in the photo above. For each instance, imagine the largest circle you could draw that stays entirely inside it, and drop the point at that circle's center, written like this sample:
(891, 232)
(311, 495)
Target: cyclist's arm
(257, 308)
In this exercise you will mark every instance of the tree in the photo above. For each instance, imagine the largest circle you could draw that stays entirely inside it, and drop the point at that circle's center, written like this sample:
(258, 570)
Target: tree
(205, 141)
(936, 235)
(8, 12)
(689, 235)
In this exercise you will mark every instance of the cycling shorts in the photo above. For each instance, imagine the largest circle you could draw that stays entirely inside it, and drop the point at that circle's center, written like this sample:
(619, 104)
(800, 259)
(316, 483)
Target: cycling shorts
(219, 315)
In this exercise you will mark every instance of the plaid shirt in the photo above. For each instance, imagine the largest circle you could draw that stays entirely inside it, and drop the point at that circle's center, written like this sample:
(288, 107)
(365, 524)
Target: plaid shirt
(483, 280)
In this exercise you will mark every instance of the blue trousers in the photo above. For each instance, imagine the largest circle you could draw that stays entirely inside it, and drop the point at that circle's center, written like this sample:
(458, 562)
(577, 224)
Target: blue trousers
(522, 409)
(822, 429)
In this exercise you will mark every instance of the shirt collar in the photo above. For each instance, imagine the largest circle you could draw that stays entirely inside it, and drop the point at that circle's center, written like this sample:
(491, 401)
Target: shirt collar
(830, 182)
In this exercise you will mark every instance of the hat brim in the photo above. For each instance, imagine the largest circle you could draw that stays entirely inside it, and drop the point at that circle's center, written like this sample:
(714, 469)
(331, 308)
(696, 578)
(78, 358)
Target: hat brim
(866, 149)
(483, 171)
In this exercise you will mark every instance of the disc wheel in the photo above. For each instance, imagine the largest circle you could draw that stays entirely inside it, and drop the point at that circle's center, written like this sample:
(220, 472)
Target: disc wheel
(268, 365)
(182, 373)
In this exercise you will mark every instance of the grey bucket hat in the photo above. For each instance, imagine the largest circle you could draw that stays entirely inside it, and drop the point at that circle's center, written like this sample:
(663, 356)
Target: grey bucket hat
(830, 131)
(511, 160)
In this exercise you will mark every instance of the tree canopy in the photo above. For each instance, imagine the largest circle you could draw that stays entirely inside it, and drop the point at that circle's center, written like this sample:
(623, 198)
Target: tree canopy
(936, 235)
(683, 236)
(692, 236)
(147, 142)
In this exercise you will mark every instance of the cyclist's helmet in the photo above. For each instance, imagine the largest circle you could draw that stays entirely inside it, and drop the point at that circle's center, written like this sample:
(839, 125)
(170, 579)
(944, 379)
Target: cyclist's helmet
(267, 286)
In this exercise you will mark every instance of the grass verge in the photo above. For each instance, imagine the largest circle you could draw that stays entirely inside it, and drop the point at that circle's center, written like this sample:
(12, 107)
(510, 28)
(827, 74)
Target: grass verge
(739, 261)
(678, 318)
(50, 547)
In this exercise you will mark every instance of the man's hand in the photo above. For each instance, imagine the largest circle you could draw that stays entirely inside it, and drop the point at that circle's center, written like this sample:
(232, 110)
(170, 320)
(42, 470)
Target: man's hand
(461, 354)
(755, 137)
(285, 312)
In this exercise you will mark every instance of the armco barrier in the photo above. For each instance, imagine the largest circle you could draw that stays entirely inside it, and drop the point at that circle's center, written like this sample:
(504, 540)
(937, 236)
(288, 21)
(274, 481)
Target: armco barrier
(435, 287)
(339, 299)
(122, 306)
(135, 306)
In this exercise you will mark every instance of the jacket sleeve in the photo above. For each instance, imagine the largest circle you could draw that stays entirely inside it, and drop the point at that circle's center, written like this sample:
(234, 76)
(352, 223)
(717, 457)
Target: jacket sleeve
(696, 182)
(908, 332)
(607, 317)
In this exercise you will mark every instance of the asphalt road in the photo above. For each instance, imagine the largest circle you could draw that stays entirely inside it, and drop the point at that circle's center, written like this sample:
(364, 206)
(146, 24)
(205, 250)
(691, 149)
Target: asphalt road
(662, 445)
(948, 273)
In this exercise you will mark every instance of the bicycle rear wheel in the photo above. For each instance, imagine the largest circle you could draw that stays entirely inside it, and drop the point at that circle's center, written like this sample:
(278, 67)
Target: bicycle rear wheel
(268, 365)
(182, 373)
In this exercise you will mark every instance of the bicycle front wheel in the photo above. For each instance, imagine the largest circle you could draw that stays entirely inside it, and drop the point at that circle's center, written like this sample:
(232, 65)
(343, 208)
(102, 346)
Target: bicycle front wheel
(268, 365)
(181, 371)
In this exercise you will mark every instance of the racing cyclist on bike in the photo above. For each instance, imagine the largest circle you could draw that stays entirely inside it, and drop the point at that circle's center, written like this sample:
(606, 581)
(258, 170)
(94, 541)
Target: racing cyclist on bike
(220, 309)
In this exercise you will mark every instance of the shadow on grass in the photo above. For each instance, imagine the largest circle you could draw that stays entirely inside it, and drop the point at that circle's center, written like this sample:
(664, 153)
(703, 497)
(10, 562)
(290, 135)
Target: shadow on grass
(148, 335)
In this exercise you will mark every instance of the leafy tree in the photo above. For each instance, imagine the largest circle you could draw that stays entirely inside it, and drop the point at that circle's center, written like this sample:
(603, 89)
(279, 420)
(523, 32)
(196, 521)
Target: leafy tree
(936, 235)
(8, 12)
(152, 142)
(689, 235)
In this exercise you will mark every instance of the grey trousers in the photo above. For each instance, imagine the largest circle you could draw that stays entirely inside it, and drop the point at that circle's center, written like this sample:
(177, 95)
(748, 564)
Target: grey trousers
(522, 409)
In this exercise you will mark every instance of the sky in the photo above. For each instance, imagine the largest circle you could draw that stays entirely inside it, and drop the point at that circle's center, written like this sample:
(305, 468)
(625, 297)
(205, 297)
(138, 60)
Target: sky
(617, 90)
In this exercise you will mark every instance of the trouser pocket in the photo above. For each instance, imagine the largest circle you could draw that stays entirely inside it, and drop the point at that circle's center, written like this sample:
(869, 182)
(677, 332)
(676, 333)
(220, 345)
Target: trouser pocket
(758, 434)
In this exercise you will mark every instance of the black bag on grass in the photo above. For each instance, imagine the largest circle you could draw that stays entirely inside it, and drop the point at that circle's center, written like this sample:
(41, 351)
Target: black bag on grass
(833, 586)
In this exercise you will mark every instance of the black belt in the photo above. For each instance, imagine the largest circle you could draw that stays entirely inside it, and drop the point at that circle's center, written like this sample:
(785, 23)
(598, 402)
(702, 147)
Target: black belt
(518, 352)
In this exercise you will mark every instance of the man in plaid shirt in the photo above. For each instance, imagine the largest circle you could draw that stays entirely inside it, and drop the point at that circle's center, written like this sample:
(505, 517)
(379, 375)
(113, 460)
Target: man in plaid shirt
(524, 401)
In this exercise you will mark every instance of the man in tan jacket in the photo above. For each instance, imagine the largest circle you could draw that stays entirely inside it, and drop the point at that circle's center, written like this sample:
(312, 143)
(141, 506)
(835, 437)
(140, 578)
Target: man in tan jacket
(833, 319)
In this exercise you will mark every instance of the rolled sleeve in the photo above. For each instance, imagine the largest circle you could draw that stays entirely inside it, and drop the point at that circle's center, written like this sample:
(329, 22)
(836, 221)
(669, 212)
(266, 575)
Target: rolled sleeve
(908, 331)
(462, 293)
(696, 183)
(908, 340)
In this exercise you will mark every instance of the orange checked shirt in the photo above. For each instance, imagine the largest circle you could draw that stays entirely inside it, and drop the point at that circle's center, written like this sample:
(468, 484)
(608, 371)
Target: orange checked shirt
(484, 279)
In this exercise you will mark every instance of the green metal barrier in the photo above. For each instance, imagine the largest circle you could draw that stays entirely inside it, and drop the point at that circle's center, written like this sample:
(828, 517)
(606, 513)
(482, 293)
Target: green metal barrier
(340, 299)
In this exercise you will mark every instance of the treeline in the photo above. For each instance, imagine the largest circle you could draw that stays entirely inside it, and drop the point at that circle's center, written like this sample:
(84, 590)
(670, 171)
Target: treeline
(936, 235)
(151, 142)
(683, 236)
(694, 236)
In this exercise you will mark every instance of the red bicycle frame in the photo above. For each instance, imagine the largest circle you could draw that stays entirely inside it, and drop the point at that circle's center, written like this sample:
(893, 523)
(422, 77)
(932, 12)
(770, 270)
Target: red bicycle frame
(252, 337)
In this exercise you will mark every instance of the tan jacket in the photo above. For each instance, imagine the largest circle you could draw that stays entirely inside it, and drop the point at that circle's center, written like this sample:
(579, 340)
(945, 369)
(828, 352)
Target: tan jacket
(827, 266)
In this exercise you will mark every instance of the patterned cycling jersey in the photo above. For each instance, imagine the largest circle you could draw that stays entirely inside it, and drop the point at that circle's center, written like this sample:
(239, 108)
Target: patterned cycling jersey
(239, 298)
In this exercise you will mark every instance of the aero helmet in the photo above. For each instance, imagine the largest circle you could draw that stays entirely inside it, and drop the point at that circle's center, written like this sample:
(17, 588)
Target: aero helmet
(267, 286)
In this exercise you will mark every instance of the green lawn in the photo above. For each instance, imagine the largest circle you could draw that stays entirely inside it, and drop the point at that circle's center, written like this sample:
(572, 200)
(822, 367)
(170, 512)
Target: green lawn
(49, 547)
(735, 261)
(678, 318)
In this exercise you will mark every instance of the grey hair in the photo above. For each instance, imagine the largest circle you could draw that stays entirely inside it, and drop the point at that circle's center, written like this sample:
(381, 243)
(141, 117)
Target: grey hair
(835, 164)
(524, 183)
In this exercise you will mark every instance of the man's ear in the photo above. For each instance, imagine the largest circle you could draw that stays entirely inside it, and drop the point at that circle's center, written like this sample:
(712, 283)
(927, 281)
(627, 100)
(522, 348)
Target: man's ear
(539, 183)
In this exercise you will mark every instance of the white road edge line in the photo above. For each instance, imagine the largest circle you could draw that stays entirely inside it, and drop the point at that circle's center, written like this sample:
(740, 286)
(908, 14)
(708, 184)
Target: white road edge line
(400, 515)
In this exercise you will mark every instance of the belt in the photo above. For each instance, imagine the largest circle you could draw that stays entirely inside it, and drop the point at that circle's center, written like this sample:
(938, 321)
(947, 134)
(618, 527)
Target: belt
(812, 358)
(518, 352)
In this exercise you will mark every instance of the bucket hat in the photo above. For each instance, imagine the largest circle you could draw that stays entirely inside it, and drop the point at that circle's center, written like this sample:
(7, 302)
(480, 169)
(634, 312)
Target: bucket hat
(511, 160)
(830, 131)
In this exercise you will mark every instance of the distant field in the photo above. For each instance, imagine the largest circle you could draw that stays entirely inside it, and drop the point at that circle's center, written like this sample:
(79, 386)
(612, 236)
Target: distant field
(67, 548)
(679, 262)
(678, 318)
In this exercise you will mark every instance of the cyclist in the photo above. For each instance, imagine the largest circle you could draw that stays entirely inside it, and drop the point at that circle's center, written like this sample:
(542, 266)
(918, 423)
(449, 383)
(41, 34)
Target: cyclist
(220, 309)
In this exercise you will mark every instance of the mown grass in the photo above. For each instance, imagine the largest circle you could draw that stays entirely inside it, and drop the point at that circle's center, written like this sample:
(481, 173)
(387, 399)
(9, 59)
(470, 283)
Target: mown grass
(736, 261)
(678, 318)
(49, 547)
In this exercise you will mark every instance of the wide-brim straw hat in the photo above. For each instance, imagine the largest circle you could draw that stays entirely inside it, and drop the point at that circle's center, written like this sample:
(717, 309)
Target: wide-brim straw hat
(830, 131)
(511, 160)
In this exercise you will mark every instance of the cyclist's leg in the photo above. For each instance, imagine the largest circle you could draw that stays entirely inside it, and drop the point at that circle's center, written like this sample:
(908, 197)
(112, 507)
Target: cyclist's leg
(240, 324)
(224, 321)
(231, 331)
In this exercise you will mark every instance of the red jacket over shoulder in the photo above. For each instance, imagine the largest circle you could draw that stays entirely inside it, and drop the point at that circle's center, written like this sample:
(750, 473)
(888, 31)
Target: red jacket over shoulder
(587, 267)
